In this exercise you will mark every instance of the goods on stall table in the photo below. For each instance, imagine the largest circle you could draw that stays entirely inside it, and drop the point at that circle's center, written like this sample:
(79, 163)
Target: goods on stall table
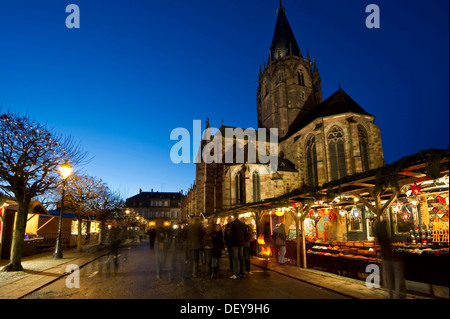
(440, 231)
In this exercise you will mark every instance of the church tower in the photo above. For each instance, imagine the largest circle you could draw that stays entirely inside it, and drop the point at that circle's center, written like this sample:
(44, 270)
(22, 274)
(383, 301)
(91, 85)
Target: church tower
(290, 85)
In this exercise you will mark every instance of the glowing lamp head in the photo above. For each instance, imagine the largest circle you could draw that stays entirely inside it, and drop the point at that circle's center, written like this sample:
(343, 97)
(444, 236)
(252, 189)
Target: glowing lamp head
(279, 213)
(65, 170)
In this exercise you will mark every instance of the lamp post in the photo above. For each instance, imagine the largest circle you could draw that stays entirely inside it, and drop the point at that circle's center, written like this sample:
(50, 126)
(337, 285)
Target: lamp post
(65, 171)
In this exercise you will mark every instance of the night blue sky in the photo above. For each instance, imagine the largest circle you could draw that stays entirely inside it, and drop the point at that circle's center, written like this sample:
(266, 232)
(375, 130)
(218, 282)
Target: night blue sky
(136, 70)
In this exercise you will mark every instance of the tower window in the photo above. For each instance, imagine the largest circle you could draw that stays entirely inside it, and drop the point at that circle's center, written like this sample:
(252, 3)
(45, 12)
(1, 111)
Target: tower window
(336, 153)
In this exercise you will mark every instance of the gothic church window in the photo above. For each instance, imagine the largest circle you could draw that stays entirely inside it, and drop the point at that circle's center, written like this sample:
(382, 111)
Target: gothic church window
(363, 147)
(256, 187)
(265, 88)
(238, 188)
(336, 153)
(301, 78)
(311, 161)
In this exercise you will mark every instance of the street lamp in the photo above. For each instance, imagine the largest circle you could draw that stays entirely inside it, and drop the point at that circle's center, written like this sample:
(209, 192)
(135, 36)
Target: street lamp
(65, 170)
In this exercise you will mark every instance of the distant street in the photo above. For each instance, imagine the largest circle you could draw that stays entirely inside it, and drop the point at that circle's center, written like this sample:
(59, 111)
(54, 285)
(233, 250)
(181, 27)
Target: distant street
(135, 277)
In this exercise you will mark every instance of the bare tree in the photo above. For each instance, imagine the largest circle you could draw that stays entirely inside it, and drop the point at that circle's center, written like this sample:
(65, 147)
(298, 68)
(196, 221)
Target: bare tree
(109, 204)
(83, 195)
(30, 155)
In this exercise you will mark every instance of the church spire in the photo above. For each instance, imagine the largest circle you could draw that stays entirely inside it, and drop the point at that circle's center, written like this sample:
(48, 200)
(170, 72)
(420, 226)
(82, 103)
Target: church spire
(283, 42)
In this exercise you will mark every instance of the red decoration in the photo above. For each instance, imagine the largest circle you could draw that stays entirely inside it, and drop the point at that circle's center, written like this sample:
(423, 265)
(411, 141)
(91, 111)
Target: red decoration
(440, 199)
(416, 189)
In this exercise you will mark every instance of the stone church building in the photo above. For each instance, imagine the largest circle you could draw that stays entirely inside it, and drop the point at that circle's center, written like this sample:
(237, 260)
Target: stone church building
(318, 140)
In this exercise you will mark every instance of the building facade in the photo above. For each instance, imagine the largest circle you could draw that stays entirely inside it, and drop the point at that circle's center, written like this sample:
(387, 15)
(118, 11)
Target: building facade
(165, 206)
(318, 140)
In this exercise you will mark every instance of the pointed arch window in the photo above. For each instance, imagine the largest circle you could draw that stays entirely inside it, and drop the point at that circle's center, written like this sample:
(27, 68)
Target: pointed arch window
(336, 152)
(301, 78)
(256, 187)
(363, 148)
(239, 188)
(266, 88)
(311, 161)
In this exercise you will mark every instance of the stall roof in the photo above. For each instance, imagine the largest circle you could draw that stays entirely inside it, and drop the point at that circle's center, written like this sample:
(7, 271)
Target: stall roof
(56, 213)
(424, 165)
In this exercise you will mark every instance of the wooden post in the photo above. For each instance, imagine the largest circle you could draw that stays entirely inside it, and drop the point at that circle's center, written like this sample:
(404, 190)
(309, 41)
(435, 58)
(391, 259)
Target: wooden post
(297, 221)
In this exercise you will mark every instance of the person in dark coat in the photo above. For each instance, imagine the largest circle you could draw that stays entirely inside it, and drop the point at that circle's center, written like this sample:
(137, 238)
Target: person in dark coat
(237, 240)
(207, 242)
(392, 264)
(227, 239)
(279, 237)
(247, 248)
(151, 237)
(217, 246)
(194, 243)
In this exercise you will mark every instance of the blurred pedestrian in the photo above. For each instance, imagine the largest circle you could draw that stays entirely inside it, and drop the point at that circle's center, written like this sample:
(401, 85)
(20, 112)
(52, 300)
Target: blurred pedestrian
(194, 243)
(161, 251)
(280, 242)
(176, 259)
(248, 236)
(115, 240)
(152, 236)
(207, 241)
(237, 233)
(393, 268)
(227, 237)
(217, 243)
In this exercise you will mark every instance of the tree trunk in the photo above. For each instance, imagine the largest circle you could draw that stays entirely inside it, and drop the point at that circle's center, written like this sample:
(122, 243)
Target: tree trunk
(79, 236)
(302, 224)
(19, 234)
(297, 234)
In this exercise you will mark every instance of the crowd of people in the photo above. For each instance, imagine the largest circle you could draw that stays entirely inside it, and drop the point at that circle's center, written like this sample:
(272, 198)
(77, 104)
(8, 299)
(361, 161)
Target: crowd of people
(204, 244)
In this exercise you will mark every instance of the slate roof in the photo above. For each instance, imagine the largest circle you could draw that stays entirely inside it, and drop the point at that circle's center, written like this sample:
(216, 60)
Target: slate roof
(156, 195)
(283, 38)
(338, 103)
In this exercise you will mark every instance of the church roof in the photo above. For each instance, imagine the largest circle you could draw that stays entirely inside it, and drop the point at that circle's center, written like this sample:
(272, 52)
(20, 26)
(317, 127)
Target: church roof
(283, 38)
(338, 103)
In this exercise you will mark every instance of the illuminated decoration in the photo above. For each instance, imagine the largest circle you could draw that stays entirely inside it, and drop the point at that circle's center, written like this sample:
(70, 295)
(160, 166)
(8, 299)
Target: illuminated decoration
(440, 199)
(279, 213)
(440, 232)
(406, 215)
(416, 189)
(332, 216)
